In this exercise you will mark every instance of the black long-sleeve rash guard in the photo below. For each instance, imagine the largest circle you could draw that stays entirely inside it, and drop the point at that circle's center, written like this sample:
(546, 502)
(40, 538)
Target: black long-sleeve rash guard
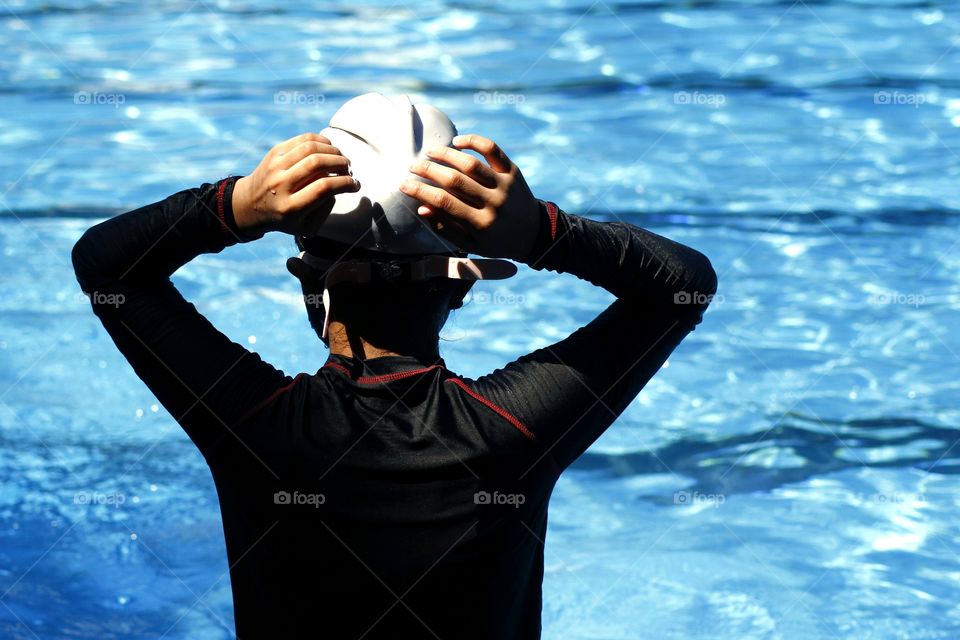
(388, 497)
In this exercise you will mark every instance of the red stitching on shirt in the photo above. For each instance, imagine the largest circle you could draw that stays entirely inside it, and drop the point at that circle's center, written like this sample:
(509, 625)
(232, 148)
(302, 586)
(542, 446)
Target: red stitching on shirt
(552, 212)
(503, 413)
(340, 367)
(384, 378)
(220, 213)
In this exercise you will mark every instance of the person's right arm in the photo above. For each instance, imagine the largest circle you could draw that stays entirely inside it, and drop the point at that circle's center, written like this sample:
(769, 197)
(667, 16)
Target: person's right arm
(567, 394)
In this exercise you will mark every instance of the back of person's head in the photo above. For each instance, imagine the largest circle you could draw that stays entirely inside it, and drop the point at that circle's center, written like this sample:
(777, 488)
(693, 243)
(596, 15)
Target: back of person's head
(374, 265)
(382, 312)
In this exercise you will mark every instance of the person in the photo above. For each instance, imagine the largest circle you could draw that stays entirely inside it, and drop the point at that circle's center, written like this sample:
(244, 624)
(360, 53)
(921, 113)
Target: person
(384, 495)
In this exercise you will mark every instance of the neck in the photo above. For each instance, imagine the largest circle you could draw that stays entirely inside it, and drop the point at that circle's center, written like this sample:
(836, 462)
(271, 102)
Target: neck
(350, 345)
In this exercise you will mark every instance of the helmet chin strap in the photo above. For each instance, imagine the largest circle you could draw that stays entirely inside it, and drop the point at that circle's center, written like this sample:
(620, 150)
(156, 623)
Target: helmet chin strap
(401, 268)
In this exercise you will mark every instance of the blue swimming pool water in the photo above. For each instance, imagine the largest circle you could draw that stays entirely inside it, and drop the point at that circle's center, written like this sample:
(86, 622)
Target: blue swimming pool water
(790, 474)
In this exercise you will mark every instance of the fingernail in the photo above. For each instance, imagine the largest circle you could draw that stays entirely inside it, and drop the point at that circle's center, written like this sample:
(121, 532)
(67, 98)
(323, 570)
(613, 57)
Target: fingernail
(458, 140)
(405, 186)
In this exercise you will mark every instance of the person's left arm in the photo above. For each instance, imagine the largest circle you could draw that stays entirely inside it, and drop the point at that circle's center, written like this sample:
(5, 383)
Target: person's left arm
(205, 380)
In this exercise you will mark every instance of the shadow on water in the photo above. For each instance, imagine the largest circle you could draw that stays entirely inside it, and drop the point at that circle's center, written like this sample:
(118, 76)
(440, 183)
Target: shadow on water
(70, 568)
(798, 449)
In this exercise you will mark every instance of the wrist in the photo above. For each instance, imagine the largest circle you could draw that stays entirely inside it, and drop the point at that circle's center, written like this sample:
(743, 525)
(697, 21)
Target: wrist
(242, 212)
(546, 232)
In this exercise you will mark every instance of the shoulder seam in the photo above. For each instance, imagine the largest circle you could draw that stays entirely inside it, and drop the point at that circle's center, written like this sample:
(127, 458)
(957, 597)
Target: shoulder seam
(500, 411)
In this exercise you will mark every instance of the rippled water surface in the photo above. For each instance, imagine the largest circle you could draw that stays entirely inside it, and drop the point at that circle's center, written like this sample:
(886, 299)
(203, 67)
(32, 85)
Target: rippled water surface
(790, 474)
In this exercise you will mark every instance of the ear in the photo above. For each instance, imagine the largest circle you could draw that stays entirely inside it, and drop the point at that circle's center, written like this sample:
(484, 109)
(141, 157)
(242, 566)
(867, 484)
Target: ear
(460, 292)
(311, 282)
(310, 279)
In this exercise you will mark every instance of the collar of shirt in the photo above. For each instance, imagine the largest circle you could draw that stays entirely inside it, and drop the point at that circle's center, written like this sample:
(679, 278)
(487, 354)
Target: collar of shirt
(382, 365)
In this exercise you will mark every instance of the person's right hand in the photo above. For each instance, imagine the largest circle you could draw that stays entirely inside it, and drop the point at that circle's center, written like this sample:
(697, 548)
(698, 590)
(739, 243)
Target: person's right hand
(483, 208)
(292, 188)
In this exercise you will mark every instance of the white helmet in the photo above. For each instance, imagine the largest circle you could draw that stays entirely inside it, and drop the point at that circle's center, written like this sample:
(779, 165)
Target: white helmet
(382, 137)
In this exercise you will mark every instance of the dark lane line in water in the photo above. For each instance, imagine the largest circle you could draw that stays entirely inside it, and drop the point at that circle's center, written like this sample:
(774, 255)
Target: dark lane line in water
(597, 85)
(824, 446)
(489, 8)
(839, 446)
(858, 222)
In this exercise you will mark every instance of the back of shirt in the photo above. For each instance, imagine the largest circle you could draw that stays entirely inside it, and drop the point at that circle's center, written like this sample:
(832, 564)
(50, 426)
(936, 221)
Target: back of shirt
(404, 505)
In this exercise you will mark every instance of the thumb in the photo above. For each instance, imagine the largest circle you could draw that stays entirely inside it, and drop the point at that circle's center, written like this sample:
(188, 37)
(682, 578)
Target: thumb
(445, 226)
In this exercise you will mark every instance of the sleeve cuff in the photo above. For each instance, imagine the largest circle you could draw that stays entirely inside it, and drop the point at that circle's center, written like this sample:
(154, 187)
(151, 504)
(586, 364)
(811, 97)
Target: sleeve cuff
(548, 215)
(228, 225)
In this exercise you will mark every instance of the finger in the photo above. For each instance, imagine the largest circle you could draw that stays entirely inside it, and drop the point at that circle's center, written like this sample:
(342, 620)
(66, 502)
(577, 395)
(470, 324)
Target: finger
(438, 199)
(286, 145)
(466, 164)
(296, 154)
(487, 148)
(452, 180)
(322, 188)
(313, 166)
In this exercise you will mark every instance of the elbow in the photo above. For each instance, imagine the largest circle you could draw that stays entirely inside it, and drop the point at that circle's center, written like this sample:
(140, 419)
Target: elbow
(705, 283)
(699, 291)
(708, 276)
(82, 258)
